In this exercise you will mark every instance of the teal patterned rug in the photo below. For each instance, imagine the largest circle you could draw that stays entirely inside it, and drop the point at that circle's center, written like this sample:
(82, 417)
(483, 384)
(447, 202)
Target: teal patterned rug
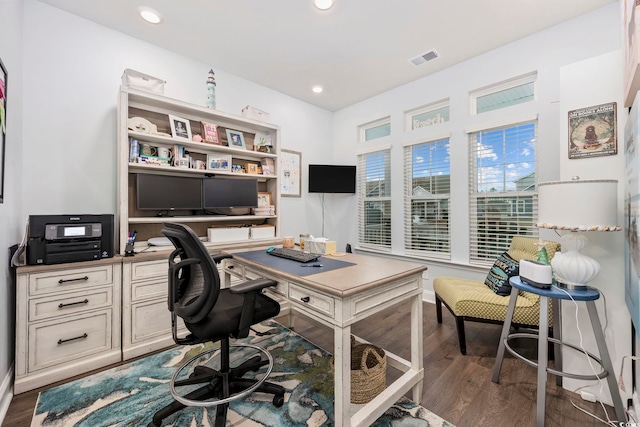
(130, 394)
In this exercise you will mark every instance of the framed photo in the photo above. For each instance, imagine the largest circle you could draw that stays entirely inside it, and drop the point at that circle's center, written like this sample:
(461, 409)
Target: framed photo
(290, 173)
(235, 139)
(593, 131)
(180, 128)
(218, 162)
(264, 199)
(3, 124)
(210, 133)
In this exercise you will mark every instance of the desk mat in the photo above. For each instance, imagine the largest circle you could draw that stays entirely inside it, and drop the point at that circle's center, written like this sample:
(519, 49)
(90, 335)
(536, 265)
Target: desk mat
(290, 266)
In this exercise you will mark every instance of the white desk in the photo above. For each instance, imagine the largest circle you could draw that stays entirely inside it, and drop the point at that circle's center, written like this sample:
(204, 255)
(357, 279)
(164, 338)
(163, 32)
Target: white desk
(341, 297)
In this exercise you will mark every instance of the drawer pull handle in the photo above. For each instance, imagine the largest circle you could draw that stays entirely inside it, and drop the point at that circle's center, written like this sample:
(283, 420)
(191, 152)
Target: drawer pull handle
(305, 299)
(230, 267)
(73, 339)
(86, 301)
(61, 281)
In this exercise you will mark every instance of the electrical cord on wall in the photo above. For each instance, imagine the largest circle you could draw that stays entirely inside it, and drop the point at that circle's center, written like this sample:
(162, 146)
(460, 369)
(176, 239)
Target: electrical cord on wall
(322, 215)
(581, 345)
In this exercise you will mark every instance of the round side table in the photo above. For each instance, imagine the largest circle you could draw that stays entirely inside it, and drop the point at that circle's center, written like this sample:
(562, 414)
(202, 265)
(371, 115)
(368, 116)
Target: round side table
(587, 296)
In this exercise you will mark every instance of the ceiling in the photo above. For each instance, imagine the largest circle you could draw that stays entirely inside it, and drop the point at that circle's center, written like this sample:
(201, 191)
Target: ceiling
(355, 50)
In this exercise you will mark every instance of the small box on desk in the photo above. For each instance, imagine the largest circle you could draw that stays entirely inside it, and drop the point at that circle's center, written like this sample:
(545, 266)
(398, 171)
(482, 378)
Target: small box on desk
(320, 246)
(263, 232)
(227, 234)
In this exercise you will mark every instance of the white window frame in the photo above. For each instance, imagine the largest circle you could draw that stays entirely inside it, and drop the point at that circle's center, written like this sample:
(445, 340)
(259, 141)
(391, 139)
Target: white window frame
(362, 129)
(410, 114)
(499, 87)
(364, 240)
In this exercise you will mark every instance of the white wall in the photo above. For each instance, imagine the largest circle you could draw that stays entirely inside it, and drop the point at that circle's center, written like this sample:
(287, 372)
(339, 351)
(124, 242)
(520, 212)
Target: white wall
(11, 222)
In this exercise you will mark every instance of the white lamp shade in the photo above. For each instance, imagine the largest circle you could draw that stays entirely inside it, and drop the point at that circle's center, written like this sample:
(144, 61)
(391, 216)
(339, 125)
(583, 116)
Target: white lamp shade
(578, 205)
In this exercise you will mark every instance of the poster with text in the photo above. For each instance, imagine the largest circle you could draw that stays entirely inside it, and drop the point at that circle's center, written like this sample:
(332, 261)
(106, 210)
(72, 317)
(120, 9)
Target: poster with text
(592, 131)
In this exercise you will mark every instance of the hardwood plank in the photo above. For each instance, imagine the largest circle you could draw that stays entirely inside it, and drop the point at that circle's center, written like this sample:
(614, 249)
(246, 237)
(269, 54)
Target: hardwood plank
(456, 387)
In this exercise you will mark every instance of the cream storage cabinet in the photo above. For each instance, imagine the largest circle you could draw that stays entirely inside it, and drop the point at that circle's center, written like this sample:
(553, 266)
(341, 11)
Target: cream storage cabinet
(67, 321)
(147, 134)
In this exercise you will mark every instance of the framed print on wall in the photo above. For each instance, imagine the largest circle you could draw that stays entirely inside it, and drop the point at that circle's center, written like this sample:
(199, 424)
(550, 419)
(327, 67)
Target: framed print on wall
(593, 131)
(180, 128)
(290, 173)
(3, 124)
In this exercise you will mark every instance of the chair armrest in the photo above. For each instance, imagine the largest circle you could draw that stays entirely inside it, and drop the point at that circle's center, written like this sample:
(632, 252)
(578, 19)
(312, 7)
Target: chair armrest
(217, 258)
(252, 285)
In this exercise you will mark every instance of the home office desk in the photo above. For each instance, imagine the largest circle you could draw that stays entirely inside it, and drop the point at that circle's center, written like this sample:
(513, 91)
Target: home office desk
(339, 298)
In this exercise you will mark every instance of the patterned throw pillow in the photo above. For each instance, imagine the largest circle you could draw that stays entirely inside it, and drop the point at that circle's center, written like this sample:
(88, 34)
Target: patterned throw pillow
(504, 268)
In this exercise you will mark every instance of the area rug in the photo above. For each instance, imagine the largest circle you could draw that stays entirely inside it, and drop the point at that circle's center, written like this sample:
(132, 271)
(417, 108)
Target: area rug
(130, 394)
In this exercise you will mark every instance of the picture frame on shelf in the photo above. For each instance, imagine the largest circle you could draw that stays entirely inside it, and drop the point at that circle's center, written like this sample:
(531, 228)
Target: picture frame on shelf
(180, 128)
(235, 139)
(217, 162)
(264, 199)
(262, 143)
(210, 133)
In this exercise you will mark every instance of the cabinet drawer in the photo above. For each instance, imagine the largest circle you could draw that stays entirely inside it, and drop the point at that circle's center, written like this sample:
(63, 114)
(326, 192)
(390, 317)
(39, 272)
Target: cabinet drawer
(233, 268)
(149, 289)
(69, 280)
(53, 343)
(149, 269)
(47, 307)
(311, 299)
(280, 288)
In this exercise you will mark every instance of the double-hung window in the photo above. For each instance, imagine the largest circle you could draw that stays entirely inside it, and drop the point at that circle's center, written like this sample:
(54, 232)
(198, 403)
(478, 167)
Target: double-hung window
(427, 187)
(502, 187)
(374, 199)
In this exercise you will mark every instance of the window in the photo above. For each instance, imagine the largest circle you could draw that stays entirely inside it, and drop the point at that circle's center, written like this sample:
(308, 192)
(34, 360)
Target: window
(428, 115)
(505, 94)
(427, 187)
(378, 129)
(374, 199)
(502, 189)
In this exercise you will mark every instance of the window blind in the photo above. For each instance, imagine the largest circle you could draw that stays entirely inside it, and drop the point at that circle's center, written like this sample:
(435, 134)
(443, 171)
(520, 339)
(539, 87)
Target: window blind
(427, 188)
(503, 200)
(374, 199)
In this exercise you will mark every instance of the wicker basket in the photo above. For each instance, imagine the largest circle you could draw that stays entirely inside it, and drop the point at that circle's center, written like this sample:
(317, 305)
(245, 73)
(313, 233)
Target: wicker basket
(368, 372)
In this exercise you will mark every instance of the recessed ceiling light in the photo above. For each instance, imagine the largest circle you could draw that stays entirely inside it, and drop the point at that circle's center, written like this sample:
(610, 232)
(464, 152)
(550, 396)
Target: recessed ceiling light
(317, 89)
(323, 4)
(150, 15)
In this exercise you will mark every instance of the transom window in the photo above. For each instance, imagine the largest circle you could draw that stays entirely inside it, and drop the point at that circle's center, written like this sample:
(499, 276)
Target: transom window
(505, 94)
(374, 130)
(428, 115)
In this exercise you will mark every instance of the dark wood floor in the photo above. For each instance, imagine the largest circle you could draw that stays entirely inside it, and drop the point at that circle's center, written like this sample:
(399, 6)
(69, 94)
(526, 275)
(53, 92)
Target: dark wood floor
(457, 388)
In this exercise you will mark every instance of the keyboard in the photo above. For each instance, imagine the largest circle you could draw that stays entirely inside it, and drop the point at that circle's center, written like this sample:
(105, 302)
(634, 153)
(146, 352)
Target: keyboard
(293, 254)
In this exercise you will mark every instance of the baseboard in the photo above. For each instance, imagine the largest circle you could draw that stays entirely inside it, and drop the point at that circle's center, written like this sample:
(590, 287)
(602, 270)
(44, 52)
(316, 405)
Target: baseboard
(6, 394)
(428, 296)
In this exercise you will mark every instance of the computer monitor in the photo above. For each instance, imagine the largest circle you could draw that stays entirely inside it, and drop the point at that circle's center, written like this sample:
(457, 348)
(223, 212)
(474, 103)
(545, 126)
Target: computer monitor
(168, 193)
(227, 193)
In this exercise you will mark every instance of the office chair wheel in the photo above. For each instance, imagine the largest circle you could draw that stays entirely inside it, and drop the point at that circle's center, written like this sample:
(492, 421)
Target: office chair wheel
(214, 402)
(278, 401)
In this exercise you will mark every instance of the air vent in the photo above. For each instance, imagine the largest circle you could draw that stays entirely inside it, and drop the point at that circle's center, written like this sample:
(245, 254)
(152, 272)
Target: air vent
(425, 57)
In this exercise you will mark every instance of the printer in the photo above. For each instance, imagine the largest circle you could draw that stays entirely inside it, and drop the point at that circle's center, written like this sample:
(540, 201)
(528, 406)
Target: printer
(56, 239)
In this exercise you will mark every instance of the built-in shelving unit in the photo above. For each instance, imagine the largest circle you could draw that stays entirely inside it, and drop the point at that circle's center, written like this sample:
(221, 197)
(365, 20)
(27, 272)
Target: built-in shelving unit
(156, 109)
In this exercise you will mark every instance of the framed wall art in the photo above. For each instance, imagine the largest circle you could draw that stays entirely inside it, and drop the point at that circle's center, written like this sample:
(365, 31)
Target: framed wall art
(3, 124)
(235, 139)
(290, 173)
(593, 131)
(180, 128)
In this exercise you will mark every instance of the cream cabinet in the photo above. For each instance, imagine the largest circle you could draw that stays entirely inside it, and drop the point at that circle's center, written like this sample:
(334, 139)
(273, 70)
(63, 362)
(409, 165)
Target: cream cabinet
(145, 118)
(67, 320)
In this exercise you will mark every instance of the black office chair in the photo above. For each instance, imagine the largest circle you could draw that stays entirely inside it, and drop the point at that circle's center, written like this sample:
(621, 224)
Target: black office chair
(214, 314)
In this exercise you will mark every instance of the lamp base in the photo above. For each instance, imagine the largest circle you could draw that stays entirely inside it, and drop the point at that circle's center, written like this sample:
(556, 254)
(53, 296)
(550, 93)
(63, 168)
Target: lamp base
(571, 268)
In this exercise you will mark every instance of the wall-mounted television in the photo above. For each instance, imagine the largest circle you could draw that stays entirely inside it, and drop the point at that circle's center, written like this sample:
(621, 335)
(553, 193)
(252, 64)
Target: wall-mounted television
(332, 179)
(228, 193)
(168, 193)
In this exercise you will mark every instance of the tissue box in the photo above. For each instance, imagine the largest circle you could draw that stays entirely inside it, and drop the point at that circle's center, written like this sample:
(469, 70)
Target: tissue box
(263, 232)
(227, 234)
(137, 80)
(254, 113)
(320, 246)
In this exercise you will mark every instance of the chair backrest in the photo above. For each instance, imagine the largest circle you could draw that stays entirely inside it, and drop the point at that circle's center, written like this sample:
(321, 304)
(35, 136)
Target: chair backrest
(527, 248)
(194, 282)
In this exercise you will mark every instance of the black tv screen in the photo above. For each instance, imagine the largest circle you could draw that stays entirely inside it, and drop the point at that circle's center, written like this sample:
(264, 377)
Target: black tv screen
(332, 179)
(166, 192)
(229, 193)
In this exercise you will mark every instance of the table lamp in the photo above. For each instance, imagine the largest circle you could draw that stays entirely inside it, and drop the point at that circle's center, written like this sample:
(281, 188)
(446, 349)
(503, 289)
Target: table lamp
(577, 207)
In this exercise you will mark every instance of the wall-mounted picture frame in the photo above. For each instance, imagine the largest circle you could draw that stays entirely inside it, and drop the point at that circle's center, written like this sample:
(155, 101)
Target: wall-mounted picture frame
(290, 173)
(210, 133)
(180, 128)
(264, 199)
(593, 131)
(235, 139)
(3, 124)
(217, 162)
